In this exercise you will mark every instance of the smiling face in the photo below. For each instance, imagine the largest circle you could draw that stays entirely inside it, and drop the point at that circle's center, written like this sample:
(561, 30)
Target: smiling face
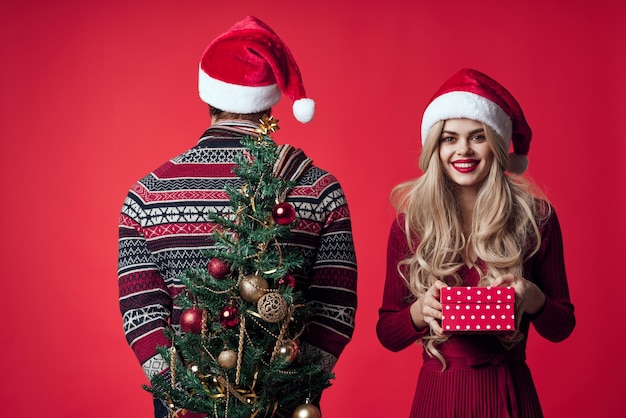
(465, 153)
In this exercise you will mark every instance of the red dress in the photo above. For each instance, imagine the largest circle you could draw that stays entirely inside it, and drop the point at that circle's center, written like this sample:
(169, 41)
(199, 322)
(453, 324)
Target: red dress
(483, 378)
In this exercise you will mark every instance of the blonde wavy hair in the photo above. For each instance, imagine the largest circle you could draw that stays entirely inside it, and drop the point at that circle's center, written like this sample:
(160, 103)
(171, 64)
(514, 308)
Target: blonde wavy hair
(504, 228)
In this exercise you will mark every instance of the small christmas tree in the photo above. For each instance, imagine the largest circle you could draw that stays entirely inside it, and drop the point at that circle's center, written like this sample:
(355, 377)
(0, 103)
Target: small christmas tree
(238, 353)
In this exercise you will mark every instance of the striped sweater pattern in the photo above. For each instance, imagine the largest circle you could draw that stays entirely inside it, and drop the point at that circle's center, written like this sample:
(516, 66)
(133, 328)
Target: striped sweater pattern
(164, 230)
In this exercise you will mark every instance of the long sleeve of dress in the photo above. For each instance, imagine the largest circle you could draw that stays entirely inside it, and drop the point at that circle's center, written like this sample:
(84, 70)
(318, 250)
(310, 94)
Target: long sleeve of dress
(556, 320)
(395, 328)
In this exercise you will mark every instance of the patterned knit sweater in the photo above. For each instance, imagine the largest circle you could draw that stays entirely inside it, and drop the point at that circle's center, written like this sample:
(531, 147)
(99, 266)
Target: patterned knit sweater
(164, 229)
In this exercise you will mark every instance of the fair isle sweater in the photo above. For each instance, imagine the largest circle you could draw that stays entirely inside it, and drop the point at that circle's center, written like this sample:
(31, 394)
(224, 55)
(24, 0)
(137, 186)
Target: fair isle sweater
(164, 230)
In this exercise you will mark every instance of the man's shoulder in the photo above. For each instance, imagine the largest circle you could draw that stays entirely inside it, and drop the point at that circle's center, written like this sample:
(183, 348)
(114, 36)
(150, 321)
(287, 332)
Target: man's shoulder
(180, 165)
(167, 170)
(314, 174)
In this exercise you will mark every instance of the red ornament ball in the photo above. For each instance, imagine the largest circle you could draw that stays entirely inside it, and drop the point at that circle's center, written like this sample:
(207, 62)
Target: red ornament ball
(284, 213)
(287, 280)
(228, 317)
(191, 320)
(218, 268)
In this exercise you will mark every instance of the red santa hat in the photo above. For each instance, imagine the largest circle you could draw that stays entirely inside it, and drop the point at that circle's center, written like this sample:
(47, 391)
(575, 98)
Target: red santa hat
(246, 69)
(470, 94)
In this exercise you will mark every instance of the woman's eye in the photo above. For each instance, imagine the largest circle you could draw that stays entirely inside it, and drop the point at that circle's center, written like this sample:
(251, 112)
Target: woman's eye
(479, 138)
(446, 139)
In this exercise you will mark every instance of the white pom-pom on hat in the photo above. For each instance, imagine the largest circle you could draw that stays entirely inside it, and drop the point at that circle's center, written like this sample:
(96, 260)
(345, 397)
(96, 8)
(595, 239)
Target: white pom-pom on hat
(517, 163)
(304, 109)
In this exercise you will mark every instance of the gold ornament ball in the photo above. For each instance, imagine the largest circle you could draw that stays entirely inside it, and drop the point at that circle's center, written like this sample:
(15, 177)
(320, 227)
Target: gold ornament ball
(307, 411)
(252, 287)
(289, 351)
(227, 359)
(272, 307)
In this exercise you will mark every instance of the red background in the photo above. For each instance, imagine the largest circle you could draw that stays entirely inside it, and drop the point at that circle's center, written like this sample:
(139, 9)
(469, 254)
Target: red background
(95, 94)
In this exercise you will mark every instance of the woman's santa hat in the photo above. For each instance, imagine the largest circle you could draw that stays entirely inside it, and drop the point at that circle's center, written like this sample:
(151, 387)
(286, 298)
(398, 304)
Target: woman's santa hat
(246, 69)
(470, 94)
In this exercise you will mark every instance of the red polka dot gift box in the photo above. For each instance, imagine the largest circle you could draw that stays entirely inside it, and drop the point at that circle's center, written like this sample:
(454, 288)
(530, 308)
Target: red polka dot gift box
(478, 309)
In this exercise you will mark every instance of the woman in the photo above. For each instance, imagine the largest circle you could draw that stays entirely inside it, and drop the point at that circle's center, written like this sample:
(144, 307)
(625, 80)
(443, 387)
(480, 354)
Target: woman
(471, 220)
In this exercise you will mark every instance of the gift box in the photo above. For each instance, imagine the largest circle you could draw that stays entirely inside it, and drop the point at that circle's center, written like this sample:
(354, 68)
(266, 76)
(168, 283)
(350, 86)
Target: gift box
(478, 309)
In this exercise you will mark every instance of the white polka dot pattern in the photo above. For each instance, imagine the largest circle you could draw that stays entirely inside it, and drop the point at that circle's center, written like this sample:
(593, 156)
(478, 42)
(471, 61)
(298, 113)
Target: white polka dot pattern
(482, 309)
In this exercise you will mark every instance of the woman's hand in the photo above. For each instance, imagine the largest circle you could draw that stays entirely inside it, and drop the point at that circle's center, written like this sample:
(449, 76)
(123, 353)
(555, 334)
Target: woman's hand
(426, 311)
(528, 297)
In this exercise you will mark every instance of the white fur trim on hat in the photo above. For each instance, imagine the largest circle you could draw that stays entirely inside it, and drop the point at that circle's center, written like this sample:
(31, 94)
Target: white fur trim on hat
(466, 105)
(304, 109)
(236, 98)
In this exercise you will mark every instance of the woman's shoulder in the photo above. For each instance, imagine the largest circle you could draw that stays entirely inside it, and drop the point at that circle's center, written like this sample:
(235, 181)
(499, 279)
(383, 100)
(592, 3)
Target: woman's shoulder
(399, 227)
(545, 216)
(543, 208)
(398, 224)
